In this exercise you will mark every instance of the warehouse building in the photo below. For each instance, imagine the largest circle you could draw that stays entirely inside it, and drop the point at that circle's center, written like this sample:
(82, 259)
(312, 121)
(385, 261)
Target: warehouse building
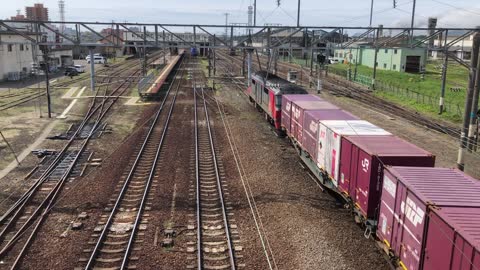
(395, 59)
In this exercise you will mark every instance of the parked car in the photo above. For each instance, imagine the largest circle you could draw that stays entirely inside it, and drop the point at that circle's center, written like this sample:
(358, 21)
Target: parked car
(71, 71)
(98, 60)
(95, 55)
(79, 68)
(333, 61)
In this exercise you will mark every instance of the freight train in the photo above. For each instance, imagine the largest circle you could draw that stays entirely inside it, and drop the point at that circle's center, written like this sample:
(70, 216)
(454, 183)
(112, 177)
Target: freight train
(423, 217)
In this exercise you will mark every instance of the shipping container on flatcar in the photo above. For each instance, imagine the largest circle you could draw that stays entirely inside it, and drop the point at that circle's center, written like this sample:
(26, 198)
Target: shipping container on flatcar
(362, 161)
(452, 239)
(329, 142)
(311, 122)
(286, 115)
(409, 195)
(299, 108)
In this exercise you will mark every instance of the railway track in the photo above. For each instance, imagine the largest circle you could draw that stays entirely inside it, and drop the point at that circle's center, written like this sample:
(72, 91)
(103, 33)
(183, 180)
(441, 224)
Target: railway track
(215, 245)
(14, 100)
(20, 223)
(119, 230)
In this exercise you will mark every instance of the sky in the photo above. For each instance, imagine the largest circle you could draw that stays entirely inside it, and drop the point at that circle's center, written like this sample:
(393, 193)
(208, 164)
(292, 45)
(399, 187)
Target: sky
(450, 13)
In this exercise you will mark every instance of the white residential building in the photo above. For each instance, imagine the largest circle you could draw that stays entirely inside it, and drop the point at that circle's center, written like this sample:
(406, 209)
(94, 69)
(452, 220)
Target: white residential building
(16, 55)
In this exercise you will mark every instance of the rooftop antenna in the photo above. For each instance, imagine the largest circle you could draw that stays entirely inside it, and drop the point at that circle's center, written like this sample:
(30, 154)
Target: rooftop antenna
(61, 6)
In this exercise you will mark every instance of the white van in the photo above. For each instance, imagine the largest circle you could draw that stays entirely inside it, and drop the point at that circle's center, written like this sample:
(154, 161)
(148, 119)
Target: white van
(98, 60)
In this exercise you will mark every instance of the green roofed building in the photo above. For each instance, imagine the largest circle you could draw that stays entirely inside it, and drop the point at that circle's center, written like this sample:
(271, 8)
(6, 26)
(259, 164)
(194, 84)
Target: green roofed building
(395, 59)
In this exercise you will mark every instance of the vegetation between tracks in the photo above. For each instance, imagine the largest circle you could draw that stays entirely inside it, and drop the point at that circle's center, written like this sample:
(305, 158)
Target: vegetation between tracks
(417, 91)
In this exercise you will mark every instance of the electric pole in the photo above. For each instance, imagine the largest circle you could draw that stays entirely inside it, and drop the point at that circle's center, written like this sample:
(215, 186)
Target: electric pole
(44, 49)
(468, 103)
(298, 14)
(371, 14)
(254, 12)
(226, 24)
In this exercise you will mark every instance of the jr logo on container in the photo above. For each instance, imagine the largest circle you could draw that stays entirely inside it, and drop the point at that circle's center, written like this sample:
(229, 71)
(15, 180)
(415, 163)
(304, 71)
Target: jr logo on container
(365, 165)
(412, 212)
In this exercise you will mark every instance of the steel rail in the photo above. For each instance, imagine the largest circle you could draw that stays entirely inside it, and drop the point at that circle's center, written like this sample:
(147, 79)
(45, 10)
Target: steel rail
(59, 186)
(91, 111)
(219, 186)
(50, 198)
(149, 182)
(103, 234)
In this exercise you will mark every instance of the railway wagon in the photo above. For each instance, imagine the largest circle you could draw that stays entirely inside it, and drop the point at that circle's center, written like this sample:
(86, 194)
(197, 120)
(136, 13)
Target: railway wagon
(330, 134)
(424, 217)
(312, 120)
(297, 114)
(362, 159)
(286, 113)
(266, 92)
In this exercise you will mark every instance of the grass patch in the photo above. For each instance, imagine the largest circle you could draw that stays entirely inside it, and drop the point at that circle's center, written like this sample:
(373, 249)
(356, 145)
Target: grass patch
(428, 87)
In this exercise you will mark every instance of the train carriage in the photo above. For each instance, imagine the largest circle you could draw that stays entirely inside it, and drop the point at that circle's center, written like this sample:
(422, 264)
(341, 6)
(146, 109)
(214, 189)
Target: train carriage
(266, 92)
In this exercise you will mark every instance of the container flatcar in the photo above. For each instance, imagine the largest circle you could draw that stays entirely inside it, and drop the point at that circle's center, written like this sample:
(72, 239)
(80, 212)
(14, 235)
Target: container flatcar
(362, 161)
(409, 195)
(312, 120)
(452, 239)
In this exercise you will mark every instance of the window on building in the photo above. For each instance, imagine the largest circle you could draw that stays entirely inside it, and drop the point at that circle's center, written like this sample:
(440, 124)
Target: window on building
(341, 55)
(395, 51)
(385, 66)
(26, 47)
(21, 47)
(10, 47)
(394, 67)
(336, 54)
(386, 50)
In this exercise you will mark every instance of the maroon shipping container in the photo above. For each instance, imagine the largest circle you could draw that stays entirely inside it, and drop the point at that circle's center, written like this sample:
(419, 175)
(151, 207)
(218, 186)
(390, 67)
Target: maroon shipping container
(452, 239)
(311, 128)
(287, 108)
(408, 196)
(298, 114)
(362, 160)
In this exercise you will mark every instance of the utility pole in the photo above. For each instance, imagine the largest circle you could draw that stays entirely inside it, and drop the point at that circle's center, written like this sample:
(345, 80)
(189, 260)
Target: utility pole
(226, 24)
(473, 114)
(444, 71)
(92, 69)
(371, 14)
(375, 46)
(413, 19)
(298, 14)
(44, 49)
(468, 103)
(254, 12)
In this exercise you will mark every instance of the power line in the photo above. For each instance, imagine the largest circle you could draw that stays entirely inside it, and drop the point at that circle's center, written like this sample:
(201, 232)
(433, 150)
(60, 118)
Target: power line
(455, 7)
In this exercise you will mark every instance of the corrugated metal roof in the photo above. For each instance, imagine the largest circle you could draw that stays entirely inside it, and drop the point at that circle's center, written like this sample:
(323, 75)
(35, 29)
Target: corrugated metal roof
(323, 114)
(302, 97)
(384, 146)
(354, 127)
(314, 105)
(440, 186)
(465, 220)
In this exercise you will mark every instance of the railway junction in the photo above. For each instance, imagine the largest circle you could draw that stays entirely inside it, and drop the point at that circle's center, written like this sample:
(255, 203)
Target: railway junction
(238, 146)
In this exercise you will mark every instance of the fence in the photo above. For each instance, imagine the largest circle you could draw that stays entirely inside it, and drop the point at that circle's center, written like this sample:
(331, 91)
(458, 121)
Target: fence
(147, 81)
(398, 91)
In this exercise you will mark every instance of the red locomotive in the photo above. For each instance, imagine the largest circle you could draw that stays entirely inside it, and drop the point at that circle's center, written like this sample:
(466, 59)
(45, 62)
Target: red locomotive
(266, 92)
